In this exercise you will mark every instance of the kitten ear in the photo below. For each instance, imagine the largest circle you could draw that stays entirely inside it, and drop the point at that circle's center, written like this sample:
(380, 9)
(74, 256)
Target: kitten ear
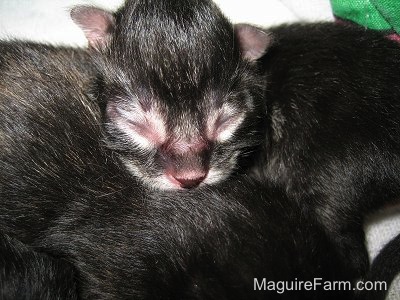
(253, 41)
(97, 24)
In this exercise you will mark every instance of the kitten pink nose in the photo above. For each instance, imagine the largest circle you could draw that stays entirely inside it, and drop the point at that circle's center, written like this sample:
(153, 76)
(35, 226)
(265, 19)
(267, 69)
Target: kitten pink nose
(192, 181)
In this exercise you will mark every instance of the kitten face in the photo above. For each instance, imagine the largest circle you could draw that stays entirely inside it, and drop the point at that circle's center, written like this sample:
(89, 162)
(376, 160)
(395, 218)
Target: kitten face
(173, 142)
(181, 92)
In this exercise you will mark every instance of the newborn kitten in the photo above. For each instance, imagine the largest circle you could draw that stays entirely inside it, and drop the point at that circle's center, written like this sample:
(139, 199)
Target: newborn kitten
(26, 274)
(182, 94)
(64, 193)
(333, 114)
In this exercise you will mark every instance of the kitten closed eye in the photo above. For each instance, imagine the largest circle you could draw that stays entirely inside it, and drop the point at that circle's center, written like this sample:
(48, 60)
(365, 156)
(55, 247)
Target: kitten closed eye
(145, 128)
(223, 124)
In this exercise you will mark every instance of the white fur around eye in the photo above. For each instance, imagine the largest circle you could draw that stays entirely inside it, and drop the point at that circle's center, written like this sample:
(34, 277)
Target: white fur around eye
(222, 125)
(145, 129)
(138, 139)
(229, 129)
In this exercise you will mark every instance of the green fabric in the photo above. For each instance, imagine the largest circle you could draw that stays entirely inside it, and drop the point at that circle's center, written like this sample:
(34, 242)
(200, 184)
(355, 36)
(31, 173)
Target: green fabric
(374, 14)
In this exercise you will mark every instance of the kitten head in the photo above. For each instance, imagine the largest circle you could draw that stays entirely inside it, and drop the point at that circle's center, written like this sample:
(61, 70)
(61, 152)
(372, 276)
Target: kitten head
(182, 93)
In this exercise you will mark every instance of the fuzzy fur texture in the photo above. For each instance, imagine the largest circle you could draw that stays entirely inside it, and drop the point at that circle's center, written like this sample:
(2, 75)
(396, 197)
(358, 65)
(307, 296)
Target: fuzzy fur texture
(333, 126)
(65, 193)
(27, 274)
(182, 97)
(67, 188)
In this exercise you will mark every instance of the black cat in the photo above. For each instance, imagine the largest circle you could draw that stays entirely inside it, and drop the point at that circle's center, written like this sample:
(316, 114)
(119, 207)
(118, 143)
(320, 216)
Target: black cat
(333, 111)
(180, 86)
(65, 193)
(181, 89)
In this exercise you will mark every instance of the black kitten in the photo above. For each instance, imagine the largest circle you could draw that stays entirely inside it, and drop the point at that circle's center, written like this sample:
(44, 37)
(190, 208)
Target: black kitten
(182, 104)
(26, 274)
(182, 93)
(333, 106)
(63, 192)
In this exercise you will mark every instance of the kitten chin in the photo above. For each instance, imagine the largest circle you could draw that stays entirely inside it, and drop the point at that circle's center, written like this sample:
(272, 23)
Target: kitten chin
(164, 182)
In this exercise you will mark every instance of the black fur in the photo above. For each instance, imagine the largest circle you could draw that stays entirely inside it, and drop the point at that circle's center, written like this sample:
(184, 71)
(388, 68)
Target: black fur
(384, 268)
(182, 61)
(64, 192)
(26, 274)
(334, 125)
(330, 104)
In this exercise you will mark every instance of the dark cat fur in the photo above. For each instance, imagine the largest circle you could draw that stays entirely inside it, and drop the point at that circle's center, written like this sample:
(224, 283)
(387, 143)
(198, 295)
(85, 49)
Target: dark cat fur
(319, 84)
(180, 86)
(71, 169)
(26, 274)
(63, 192)
(333, 126)
(384, 268)
(303, 152)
